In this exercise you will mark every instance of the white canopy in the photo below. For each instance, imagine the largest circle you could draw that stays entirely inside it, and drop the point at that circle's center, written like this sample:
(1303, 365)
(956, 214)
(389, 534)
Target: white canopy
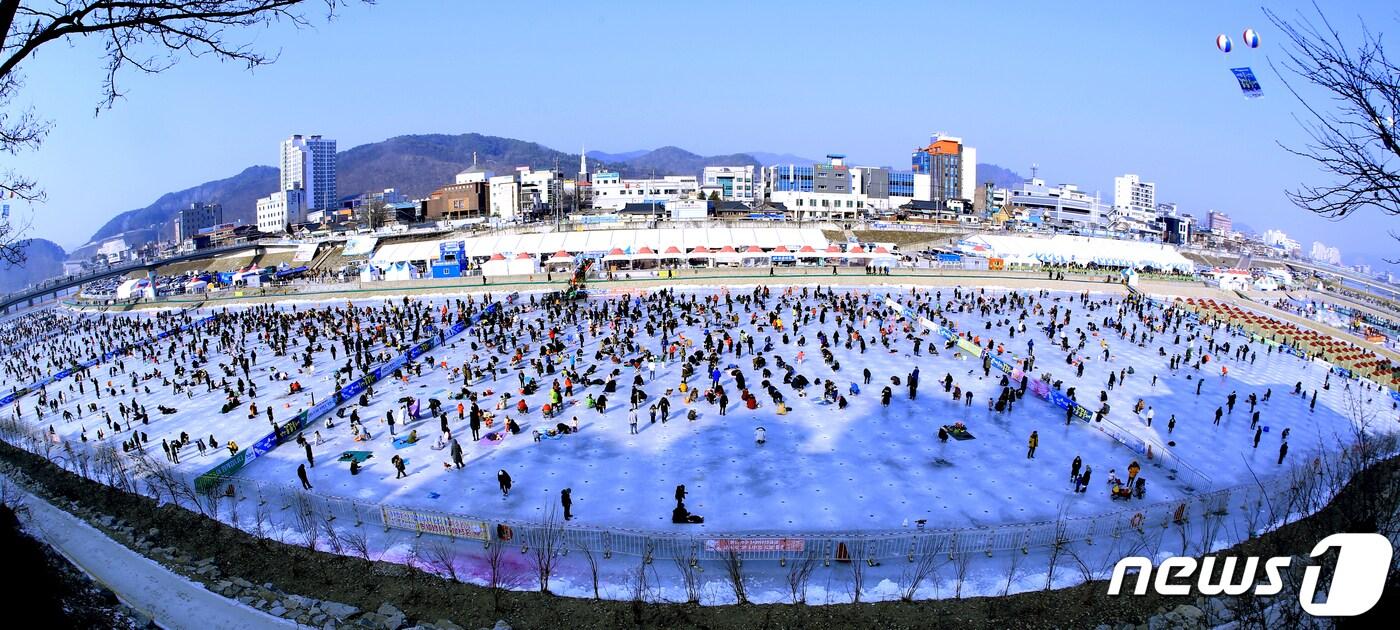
(603, 241)
(1083, 250)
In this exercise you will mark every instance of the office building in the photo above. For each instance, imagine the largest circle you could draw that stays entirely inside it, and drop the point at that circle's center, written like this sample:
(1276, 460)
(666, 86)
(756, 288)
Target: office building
(1062, 206)
(281, 209)
(731, 183)
(463, 200)
(612, 192)
(195, 218)
(951, 169)
(1220, 223)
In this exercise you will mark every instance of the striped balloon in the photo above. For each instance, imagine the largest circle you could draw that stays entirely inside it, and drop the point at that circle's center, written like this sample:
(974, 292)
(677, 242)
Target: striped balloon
(1251, 38)
(1222, 42)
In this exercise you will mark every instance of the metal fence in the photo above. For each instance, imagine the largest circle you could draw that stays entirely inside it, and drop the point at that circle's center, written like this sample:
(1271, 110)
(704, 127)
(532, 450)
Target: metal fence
(1256, 505)
(1199, 522)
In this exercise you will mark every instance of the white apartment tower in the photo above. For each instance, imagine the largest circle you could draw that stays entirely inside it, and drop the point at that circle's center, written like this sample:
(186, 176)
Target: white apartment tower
(1134, 204)
(308, 164)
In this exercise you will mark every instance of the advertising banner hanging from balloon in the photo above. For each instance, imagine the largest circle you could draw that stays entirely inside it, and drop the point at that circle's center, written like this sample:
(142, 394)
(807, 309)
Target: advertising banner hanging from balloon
(1248, 84)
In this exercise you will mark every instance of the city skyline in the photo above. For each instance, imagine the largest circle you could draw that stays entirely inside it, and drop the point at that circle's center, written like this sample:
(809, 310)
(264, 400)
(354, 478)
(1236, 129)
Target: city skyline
(1226, 158)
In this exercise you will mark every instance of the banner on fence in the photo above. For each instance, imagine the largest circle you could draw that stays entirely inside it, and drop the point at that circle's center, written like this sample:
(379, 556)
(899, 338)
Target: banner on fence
(969, 347)
(429, 523)
(1039, 388)
(287, 430)
(754, 545)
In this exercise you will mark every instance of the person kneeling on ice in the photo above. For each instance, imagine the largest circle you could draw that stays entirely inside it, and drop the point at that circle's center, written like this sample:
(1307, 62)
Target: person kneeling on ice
(691, 415)
(760, 436)
(682, 516)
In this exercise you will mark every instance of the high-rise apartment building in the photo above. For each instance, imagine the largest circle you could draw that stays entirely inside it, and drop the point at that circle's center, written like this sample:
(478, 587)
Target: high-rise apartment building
(1134, 205)
(308, 164)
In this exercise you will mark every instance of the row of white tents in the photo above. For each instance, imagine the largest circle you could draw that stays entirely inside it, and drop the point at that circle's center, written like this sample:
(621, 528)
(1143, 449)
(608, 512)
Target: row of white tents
(605, 242)
(1080, 250)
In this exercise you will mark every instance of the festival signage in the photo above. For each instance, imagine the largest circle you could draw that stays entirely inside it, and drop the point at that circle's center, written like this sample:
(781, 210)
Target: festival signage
(322, 408)
(1002, 365)
(287, 430)
(430, 523)
(969, 347)
(754, 545)
(351, 390)
(1039, 388)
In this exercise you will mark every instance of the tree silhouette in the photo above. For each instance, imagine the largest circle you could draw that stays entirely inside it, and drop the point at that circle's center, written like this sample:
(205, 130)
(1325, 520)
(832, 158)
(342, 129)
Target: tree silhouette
(148, 35)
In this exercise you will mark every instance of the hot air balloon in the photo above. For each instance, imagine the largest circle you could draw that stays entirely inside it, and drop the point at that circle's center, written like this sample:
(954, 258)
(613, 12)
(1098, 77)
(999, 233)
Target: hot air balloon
(1251, 38)
(1222, 41)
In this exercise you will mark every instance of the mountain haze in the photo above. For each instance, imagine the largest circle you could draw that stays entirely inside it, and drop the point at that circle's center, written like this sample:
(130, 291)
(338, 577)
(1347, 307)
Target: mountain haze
(43, 259)
(416, 165)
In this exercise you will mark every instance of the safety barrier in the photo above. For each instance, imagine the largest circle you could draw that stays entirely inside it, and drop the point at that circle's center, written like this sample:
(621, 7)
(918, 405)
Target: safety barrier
(1191, 525)
(1137, 521)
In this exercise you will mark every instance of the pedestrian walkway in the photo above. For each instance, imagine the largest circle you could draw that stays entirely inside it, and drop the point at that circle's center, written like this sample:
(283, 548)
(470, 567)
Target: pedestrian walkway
(171, 600)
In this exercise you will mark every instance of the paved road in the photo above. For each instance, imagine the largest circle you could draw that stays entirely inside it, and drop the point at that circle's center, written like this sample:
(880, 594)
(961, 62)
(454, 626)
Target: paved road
(171, 600)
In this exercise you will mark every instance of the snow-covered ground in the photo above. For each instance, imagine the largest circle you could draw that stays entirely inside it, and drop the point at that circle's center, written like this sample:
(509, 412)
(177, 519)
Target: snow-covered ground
(823, 469)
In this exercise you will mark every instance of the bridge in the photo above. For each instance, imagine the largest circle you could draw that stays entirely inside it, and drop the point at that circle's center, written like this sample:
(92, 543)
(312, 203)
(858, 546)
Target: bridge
(1389, 290)
(57, 287)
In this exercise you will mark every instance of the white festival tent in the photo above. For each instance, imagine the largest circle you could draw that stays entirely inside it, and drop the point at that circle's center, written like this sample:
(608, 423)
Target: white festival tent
(496, 266)
(1083, 250)
(601, 243)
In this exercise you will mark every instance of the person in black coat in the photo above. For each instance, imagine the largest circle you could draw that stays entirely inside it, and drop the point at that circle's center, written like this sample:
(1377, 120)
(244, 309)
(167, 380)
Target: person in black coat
(310, 459)
(566, 499)
(301, 474)
(885, 395)
(456, 451)
(503, 478)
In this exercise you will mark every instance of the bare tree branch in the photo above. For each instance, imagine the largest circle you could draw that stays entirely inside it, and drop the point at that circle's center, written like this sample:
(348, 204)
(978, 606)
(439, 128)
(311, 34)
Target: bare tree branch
(147, 35)
(1352, 133)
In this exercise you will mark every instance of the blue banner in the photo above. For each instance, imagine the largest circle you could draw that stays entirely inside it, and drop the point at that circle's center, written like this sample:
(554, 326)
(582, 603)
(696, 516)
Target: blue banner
(1249, 85)
(289, 429)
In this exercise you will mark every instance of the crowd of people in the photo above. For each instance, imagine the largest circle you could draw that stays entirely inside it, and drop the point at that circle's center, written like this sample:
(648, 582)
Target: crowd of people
(540, 359)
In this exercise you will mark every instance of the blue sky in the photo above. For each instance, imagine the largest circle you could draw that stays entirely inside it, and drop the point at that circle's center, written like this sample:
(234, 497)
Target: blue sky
(1086, 90)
